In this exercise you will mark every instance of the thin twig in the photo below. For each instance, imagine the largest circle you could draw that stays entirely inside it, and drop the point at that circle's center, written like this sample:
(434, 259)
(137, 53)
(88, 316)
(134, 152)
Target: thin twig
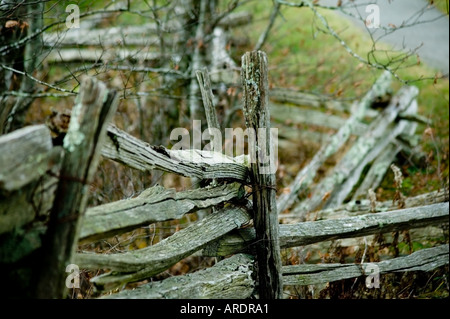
(262, 39)
(36, 80)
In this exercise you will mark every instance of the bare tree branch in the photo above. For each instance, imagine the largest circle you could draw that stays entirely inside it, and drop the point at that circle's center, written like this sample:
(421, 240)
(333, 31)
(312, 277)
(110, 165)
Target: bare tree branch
(262, 39)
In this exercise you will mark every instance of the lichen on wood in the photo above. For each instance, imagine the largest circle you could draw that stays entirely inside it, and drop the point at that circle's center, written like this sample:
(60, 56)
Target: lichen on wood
(147, 262)
(379, 132)
(422, 260)
(306, 233)
(92, 115)
(231, 278)
(128, 150)
(29, 146)
(254, 74)
(153, 205)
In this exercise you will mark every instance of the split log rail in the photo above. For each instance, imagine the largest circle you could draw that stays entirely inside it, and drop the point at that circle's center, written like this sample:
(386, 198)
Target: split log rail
(43, 191)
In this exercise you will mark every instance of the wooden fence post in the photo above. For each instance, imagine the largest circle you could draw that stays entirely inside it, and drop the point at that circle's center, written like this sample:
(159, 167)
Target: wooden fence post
(254, 75)
(94, 108)
(204, 82)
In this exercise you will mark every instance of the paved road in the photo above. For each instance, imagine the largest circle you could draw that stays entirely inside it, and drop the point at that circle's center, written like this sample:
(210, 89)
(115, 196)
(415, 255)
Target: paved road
(433, 36)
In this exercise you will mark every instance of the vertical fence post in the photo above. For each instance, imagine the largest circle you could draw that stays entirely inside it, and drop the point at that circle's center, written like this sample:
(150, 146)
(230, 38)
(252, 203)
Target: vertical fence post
(204, 82)
(254, 76)
(93, 110)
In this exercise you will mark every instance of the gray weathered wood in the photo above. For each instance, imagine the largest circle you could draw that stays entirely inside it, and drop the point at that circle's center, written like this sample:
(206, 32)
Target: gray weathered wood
(101, 55)
(422, 260)
(132, 152)
(24, 156)
(377, 171)
(236, 19)
(232, 277)
(359, 151)
(419, 235)
(208, 98)
(381, 164)
(305, 99)
(313, 232)
(292, 135)
(237, 241)
(27, 159)
(257, 116)
(306, 176)
(229, 279)
(97, 222)
(143, 34)
(362, 207)
(222, 66)
(147, 262)
(411, 151)
(153, 205)
(35, 199)
(197, 61)
(128, 150)
(94, 108)
(108, 37)
(414, 117)
(344, 189)
(106, 40)
(296, 115)
(335, 195)
(204, 83)
(306, 233)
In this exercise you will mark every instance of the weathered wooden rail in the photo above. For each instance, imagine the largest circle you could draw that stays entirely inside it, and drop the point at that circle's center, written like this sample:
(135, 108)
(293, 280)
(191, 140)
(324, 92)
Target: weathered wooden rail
(305, 233)
(422, 260)
(124, 148)
(232, 278)
(37, 178)
(153, 205)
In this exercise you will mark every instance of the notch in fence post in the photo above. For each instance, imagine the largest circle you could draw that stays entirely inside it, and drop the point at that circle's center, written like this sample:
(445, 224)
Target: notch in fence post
(254, 74)
(93, 110)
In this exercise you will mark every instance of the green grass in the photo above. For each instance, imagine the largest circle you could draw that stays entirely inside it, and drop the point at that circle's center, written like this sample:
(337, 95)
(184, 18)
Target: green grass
(303, 58)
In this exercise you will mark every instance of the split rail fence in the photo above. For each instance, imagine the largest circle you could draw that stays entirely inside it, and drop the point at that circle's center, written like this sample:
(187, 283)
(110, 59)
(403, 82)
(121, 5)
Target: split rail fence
(44, 189)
